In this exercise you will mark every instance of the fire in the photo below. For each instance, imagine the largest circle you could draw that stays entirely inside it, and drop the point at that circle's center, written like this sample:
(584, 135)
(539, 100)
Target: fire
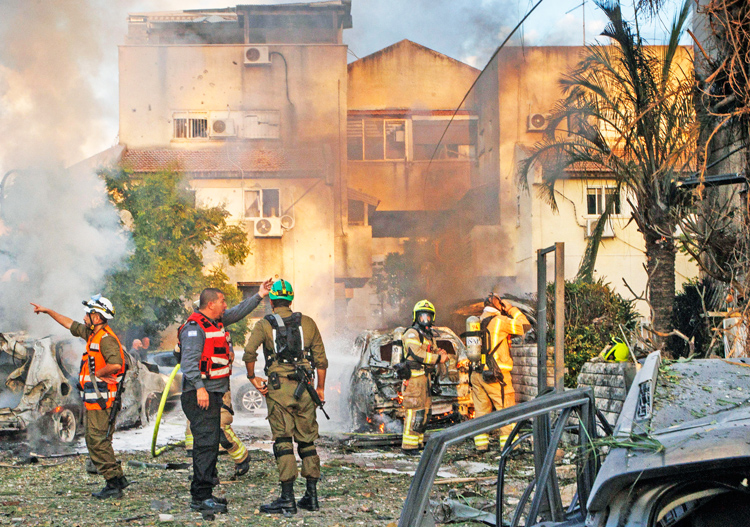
(381, 428)
(470, 414)
(400, 398)
(58, 409)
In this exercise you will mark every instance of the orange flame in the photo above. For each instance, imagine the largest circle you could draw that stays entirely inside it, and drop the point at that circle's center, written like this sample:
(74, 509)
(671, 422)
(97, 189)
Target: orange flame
(381, 428)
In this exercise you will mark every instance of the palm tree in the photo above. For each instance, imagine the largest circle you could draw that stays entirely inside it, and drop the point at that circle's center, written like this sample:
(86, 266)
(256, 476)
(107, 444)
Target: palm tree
(633, 106)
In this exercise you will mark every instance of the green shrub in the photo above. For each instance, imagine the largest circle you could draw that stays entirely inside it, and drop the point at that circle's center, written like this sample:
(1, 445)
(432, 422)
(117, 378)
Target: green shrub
(593, 315)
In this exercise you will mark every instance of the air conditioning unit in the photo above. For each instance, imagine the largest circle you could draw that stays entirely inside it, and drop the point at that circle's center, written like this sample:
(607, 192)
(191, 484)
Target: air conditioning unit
(256, 55)
(267, 228)
(608, 231)
(538, 122)
(221, 127)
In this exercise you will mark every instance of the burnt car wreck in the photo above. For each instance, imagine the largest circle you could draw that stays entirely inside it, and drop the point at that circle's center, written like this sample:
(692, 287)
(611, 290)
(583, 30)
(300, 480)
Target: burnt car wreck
(375, 399)
(678, 457)
(41, 380)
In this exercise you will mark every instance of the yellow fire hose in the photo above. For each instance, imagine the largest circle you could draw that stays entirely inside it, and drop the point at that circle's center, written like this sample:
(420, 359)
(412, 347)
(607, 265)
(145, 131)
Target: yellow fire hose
(155, 452)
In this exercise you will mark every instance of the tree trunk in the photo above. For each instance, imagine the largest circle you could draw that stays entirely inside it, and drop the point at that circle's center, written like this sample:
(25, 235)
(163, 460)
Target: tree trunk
(660, 261)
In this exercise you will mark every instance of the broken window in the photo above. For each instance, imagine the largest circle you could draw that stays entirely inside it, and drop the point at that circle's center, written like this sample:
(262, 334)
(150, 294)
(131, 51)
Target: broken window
(262, 203)
(190, 125)
(458, 139)
(357, 212)
(595, 200)
(376, 139)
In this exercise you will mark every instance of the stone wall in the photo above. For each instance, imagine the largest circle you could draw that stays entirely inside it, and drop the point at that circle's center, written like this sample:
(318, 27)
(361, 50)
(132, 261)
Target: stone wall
(525, 371)
(610, 381)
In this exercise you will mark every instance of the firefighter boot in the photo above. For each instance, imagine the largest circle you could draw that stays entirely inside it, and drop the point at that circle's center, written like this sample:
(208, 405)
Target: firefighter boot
(284, 504)
(309, 501)
(122, 482)
(111, 490)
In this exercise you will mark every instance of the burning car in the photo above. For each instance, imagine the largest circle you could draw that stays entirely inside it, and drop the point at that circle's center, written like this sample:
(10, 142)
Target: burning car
(46, 377)
(375, 389)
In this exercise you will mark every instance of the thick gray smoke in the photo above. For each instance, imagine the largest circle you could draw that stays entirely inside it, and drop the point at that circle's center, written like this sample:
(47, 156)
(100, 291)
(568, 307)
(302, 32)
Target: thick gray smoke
(58, 232)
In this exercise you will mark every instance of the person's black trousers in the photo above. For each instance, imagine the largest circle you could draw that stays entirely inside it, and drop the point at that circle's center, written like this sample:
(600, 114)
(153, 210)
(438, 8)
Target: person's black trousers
(206, 428)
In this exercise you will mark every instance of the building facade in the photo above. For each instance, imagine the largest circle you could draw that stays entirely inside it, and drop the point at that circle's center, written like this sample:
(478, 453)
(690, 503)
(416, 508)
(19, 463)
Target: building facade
(250, 104)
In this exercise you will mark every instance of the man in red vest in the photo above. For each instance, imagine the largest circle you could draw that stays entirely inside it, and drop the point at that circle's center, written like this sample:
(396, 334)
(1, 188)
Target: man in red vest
(206, 364)
(102, 371)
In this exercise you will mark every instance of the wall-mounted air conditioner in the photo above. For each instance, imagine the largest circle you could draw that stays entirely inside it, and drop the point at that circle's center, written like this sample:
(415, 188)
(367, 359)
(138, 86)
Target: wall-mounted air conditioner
(537, 122)
(267, 228)
(608, 232)
(221, 127)
(256, 55)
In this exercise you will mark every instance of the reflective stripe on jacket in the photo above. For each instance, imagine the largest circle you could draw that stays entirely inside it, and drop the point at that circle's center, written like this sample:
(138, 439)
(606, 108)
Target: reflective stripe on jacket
(214, 363)
(93, 354)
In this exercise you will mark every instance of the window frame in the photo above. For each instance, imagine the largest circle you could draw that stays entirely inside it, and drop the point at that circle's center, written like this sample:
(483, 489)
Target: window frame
(383, 122)
(190, 117)
(261, 192)
(601, 193)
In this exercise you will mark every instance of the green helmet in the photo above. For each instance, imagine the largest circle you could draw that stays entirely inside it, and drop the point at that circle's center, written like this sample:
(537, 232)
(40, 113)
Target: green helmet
(281, 289)
(423, 306)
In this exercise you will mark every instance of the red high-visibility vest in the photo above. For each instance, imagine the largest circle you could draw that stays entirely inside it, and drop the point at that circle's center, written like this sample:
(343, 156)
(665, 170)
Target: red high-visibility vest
(214, 362)
(94, 360)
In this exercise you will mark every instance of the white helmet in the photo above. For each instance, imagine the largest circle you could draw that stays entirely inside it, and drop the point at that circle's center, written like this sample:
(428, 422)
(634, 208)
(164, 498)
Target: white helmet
(101, 305)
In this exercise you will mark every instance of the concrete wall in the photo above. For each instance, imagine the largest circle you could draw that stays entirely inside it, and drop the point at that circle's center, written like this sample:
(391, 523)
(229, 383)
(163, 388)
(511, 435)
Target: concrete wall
(407, 75)
(303, 255)
(156, 81)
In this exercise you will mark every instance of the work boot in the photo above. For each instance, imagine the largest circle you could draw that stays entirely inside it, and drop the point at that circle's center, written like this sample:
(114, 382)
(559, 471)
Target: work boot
(309, 501)
(411, 452)
(284, 504)
(111, 490)
(210, 505)
(122, 482)
(219, 499)
(240, 469)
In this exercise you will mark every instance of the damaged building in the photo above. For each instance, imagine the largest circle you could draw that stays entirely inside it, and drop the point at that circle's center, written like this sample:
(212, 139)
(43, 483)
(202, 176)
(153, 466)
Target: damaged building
(330, 166)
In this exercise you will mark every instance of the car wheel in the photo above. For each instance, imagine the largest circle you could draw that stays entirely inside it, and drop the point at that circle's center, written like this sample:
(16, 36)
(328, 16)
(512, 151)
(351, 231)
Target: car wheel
(249, 399)
(64, 425)
(150, 408)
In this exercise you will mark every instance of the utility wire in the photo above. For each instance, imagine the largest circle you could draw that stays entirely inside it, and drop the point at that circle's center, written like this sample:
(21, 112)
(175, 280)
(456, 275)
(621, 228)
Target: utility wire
(475, 82)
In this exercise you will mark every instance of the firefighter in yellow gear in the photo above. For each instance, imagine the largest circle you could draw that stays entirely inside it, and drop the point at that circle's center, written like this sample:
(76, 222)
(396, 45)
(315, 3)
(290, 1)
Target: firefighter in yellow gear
(421, 354)
(230, 442)
(490, 378)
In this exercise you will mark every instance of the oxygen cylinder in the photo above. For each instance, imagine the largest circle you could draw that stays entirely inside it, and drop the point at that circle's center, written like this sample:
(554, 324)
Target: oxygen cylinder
(473, 342)
(397, 347)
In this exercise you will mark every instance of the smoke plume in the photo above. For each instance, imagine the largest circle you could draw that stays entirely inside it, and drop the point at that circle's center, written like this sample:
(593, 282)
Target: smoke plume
(58, 232)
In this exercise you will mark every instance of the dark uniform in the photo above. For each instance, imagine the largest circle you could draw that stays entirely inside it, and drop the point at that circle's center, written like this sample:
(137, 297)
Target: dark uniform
(289, 417)
(205, 424)
(98, 442)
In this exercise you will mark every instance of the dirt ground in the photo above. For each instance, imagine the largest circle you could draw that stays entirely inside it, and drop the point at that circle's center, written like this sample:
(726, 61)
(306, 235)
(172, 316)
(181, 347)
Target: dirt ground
(358, 487)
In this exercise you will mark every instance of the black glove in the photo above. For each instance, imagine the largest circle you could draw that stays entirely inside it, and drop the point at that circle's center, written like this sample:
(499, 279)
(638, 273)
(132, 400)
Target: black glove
(403, 372)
